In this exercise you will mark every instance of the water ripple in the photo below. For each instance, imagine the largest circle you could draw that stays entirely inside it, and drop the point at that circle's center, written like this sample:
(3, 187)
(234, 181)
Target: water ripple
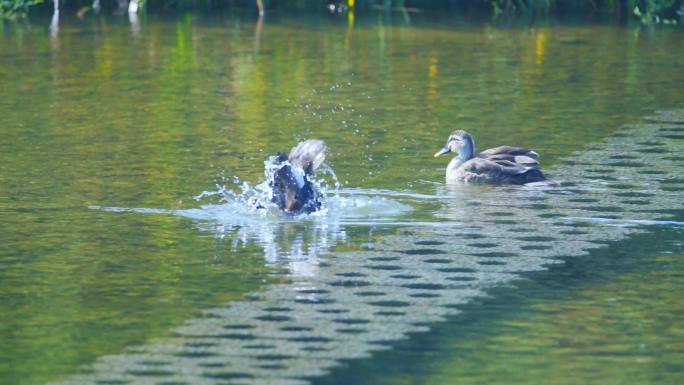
(341, 305)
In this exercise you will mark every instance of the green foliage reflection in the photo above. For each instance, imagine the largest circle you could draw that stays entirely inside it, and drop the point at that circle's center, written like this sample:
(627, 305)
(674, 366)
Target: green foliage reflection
(646, 10)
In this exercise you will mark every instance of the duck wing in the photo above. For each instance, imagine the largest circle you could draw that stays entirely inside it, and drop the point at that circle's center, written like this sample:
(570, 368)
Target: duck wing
(293, 191)
(286, 185)
(480, 170)
(309, 155)
(522, 160)
(508, 151)
(291, 187)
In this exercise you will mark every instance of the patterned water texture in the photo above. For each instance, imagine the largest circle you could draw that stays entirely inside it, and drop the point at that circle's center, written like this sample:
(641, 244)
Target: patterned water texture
(345, 305)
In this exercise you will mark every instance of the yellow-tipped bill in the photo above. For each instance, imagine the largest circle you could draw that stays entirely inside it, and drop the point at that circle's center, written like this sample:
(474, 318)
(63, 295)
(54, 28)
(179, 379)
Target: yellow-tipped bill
(442, 151)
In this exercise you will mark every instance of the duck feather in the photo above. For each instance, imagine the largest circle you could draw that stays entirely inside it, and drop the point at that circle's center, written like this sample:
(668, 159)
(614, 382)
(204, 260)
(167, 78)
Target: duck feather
(292, 187)
(498, 165)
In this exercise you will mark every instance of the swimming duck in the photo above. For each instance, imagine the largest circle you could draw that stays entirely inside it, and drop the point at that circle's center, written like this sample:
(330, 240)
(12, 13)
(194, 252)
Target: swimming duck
(293, 190)
(499, 165)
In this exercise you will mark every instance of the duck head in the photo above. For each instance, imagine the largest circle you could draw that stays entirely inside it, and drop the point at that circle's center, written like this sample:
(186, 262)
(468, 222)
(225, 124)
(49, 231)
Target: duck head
(459, 142)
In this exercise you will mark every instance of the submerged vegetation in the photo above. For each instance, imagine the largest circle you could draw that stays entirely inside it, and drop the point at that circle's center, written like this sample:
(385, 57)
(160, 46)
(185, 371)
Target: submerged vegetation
(645, 10)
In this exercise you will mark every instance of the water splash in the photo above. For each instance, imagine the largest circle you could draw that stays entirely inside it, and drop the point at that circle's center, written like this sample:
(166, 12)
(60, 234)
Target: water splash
(259, 197)
(244, 213)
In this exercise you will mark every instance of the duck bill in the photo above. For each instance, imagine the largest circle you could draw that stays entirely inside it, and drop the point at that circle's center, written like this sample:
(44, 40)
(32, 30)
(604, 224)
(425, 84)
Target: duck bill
(442, 151)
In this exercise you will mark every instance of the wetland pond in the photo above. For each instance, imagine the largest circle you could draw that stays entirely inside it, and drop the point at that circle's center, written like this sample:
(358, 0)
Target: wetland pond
(129, 257)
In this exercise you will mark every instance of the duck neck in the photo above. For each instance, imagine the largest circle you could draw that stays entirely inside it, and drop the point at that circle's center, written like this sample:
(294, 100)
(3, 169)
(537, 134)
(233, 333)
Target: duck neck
(459, 159)
(467, 152)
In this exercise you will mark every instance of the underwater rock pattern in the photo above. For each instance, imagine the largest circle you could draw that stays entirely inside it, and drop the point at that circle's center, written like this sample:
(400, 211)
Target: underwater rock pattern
(355, 303)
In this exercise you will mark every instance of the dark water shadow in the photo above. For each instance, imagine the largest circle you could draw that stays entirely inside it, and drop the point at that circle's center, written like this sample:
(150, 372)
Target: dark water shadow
(487, 317)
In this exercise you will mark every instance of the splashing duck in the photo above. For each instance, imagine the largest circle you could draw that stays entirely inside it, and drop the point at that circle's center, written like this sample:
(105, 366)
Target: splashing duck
(499, 165)
(292, 187)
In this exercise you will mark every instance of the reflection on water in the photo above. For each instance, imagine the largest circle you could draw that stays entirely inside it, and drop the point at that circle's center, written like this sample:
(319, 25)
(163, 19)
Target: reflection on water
(92, 117)
(608, 318)
(287, 242)
(293, 242)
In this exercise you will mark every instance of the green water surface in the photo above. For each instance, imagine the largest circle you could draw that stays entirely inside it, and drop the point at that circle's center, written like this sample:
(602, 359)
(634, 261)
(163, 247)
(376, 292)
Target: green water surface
(611, 318)
(149, 113)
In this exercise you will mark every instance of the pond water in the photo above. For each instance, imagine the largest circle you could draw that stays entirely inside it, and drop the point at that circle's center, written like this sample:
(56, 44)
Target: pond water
(126, 259)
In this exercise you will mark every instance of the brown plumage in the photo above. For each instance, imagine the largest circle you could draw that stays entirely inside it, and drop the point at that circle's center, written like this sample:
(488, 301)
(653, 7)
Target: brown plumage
(292, 187)
(499, 165)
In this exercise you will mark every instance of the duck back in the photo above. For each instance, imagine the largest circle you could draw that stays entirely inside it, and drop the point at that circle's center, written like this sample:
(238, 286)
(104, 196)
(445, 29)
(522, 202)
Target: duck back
(508, 151)
(494, 171)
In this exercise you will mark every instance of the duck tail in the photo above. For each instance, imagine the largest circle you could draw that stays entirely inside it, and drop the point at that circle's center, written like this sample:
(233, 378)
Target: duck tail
(526, 161)
(533, 174)
(309, 155)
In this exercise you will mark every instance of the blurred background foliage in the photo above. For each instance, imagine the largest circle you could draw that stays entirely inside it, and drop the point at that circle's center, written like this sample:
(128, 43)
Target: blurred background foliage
(645, 10)
(12, 9)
